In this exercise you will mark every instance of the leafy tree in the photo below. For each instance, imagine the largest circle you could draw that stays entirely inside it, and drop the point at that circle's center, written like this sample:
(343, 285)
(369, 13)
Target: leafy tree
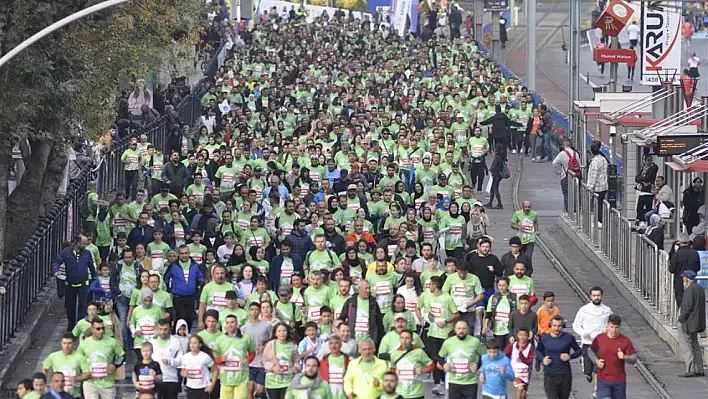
(63, 87)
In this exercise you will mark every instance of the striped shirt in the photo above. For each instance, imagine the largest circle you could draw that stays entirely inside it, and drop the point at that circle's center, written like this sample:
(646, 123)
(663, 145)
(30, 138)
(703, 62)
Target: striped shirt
(597, 174)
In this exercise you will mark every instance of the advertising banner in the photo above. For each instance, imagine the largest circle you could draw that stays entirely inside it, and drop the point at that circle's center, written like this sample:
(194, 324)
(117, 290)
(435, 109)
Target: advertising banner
(661, 41)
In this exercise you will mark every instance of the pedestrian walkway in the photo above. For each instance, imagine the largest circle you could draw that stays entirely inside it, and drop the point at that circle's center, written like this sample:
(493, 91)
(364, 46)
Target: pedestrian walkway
(538, 186)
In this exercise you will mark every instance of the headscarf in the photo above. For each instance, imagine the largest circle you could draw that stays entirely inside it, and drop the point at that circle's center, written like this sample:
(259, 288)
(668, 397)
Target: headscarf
(442, 204)
(655, 222)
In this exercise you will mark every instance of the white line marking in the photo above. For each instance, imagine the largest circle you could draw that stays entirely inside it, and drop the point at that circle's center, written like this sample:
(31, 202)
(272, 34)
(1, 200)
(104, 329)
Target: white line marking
(586, 77)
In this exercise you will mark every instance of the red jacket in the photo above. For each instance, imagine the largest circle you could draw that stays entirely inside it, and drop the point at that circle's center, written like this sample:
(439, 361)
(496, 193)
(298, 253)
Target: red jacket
(324, 366)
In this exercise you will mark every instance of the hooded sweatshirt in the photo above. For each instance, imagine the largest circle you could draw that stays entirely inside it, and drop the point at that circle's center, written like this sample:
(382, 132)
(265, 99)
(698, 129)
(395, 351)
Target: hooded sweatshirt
(170, 349)
(183, 341)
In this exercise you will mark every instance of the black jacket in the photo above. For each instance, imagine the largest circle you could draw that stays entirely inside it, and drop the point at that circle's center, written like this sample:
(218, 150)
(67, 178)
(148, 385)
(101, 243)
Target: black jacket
(500, 124)
(478, 267)
(376, 328)
(508, 260)
(692, 200)
(692, 314)
(177, 177)
(686, 258)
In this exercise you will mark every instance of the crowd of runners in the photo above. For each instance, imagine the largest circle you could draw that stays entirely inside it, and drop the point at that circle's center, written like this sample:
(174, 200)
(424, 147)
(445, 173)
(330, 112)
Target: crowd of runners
(321, 234)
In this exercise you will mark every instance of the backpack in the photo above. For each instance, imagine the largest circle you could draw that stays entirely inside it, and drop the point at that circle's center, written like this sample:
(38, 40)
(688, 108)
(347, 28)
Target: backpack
(573, 164)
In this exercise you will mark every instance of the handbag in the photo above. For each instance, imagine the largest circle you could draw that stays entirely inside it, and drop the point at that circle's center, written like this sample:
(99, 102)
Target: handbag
(505, 171)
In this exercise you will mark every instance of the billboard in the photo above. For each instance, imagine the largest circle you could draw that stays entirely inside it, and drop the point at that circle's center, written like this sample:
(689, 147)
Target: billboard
(661, 41)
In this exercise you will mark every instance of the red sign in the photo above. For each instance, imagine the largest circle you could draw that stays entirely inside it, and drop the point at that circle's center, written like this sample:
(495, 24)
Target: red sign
(619, 55)
(614, 18)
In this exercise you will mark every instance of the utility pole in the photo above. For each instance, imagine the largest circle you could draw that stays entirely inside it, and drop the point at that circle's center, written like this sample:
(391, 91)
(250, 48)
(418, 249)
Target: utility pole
(573, 58)
(496, 50)
(614, 66)
(478, 17)
(56, 26)
(531, 44)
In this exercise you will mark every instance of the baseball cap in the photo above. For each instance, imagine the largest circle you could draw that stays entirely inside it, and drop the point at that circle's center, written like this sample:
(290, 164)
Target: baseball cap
(689, 274)
(398, 316)
(351, 187)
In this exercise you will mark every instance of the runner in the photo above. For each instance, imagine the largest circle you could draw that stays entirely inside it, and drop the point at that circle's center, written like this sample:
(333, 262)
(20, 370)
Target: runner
(458, 357)
(609, 352)
(591, 321)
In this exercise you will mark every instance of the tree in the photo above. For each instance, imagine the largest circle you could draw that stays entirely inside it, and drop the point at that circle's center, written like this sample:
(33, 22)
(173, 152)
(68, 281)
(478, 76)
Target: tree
(63, 88)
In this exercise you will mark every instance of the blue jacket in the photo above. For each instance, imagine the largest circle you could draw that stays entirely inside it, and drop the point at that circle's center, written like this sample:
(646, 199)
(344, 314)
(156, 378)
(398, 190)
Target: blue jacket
(140, 235)
(302, 244)
(98, 292)
(80, 268)
(52, 394)
(494, 379)
(274, 272)
(174, 279)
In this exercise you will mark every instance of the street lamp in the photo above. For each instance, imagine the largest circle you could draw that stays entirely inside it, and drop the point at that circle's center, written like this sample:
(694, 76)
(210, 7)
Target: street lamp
(57, 25)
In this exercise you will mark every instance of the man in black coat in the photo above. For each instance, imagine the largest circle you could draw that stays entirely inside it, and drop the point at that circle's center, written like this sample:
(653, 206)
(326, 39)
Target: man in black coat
(692, 320)
(500, 127)
(374, 324)
(685, 258)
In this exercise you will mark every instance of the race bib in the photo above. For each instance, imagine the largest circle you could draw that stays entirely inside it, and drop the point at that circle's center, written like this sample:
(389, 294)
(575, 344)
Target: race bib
(219, 299)
(146, 382)
(232, 365)
(99, 370)
(336, 375)
(195, 373)
(460, 366)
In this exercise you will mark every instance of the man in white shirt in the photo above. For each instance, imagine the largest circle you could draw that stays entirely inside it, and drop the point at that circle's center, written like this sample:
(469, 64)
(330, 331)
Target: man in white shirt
(591, 321)
(633, 32)
(167, 351)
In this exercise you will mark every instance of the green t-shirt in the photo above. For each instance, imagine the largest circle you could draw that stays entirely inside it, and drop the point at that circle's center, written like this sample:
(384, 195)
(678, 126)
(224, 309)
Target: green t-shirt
(314, 300)
(81, 328)
(214, 295)
(440, 307)
(284, 356)
(108, 324)
(197, 252)
(128, 280)
(392, 340)
(70, 366)
(234, 371)
(336, 302)
(228, 178)
(258, 237)
(158, 250)
(131, 159)
(160, 201)
(453, 237)
(321, 392)
(210, 338)
(462, 291)
(361, 324)
(460, 355)
(522, 286)
(500, 324)
(241, 316)
(97, 355)
(388, 320)
(406, 363)
(288, 312)
(527, 225)
(162, 299)
(427, 275)
(318, 260)
(145, 320)
(383, 287)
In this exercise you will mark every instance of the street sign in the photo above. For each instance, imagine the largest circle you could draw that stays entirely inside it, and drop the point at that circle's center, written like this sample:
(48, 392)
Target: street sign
(677, 144)
(661, 41)
(614, 18)
(618, 55)
(496, 5)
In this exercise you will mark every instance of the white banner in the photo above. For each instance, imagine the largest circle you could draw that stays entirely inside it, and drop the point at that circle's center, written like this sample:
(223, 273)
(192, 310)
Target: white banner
(400, 9)
(661, 41)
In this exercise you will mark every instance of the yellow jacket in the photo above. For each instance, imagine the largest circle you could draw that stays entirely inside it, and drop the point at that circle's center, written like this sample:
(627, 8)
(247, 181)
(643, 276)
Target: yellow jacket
(356, 382)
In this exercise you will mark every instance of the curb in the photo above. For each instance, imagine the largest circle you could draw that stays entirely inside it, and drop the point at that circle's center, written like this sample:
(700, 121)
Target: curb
(643, 308)
(26, 332)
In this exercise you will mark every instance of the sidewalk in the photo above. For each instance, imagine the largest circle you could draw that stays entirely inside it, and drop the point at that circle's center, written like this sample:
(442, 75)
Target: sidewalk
(539, 184)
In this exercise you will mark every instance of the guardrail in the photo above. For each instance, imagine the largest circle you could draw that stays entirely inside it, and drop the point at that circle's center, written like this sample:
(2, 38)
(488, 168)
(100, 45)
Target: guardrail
(26, 276)
(634, 256)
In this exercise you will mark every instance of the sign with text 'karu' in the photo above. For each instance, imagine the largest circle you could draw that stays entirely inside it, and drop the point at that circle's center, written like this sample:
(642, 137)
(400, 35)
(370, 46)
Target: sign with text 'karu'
(661, 41)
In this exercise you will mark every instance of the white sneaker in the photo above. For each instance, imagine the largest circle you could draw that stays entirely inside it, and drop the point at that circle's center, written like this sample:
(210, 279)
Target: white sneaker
(438, 390)
(521, 151)
(513, 151)
(599, 225)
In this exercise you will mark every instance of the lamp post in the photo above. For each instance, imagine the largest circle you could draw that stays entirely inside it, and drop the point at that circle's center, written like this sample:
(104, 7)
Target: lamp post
(58, 25)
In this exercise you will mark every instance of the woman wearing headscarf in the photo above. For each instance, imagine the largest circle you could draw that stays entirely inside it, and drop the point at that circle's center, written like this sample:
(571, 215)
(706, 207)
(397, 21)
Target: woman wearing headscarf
(655, 231)
(451, 226)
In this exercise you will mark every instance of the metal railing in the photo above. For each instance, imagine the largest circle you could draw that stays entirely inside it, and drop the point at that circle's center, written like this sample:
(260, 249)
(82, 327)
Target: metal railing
(26, 276)
(634, 256)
